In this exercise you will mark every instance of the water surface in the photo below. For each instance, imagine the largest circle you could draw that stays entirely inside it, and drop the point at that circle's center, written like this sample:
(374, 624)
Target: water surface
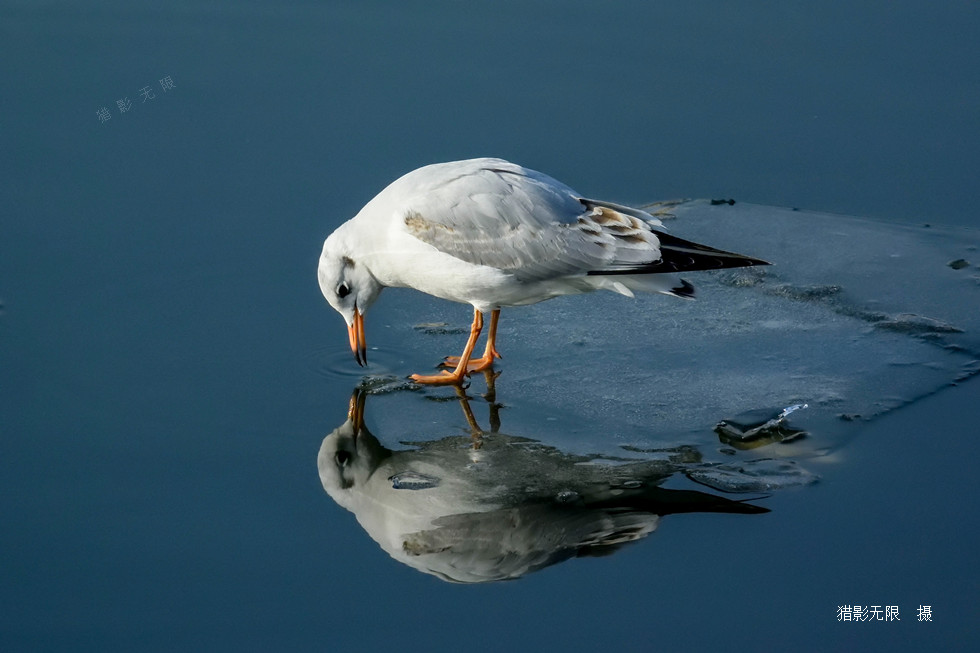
(169, 372)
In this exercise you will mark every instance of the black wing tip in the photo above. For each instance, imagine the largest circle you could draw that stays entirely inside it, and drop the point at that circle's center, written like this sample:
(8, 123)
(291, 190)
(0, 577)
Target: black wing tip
(750, 261)
(688, 255)
(678, 258)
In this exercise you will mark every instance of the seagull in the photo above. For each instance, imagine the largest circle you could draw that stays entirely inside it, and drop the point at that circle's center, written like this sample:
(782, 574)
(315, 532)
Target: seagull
(490, 233)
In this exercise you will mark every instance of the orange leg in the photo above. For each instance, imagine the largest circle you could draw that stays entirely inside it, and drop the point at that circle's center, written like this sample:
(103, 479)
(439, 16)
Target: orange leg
(489, 354)
(456, 376)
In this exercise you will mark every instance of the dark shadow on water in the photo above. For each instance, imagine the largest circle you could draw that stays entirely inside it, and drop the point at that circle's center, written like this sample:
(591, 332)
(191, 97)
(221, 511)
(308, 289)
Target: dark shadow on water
(491, 506)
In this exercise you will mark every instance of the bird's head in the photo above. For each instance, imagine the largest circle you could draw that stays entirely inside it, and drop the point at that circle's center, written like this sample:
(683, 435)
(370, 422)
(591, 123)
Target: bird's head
(349, 287)
(350, 455)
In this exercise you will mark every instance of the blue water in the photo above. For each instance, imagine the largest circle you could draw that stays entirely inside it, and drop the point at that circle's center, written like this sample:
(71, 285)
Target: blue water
(169, 370)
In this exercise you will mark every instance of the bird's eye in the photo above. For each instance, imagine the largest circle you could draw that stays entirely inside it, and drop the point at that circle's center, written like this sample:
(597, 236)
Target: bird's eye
(343, 290)
(342, 457)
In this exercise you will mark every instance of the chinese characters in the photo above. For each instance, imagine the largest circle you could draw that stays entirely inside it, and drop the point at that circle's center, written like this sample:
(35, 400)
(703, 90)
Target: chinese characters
(146, 93)
(876, 613)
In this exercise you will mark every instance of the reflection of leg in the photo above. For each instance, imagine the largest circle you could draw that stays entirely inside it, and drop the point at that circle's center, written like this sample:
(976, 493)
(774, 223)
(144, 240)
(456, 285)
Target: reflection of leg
(476, 433)
(457, 375)
(491, 397)
(489, 354)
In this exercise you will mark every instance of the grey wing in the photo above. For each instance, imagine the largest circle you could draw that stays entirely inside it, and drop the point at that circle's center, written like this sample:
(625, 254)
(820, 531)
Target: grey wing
(529, 225)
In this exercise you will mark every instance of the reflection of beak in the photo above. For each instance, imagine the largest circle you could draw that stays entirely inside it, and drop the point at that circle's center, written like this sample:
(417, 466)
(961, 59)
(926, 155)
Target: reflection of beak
(355, 412)
(357, 343)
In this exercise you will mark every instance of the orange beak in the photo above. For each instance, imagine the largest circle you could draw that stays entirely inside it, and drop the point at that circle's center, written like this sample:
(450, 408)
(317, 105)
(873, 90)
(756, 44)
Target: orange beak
(356, 334)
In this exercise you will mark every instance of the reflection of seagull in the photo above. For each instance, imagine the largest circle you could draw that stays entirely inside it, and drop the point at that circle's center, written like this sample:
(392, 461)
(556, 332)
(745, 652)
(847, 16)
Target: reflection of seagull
(512, 507)
(490, 233)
